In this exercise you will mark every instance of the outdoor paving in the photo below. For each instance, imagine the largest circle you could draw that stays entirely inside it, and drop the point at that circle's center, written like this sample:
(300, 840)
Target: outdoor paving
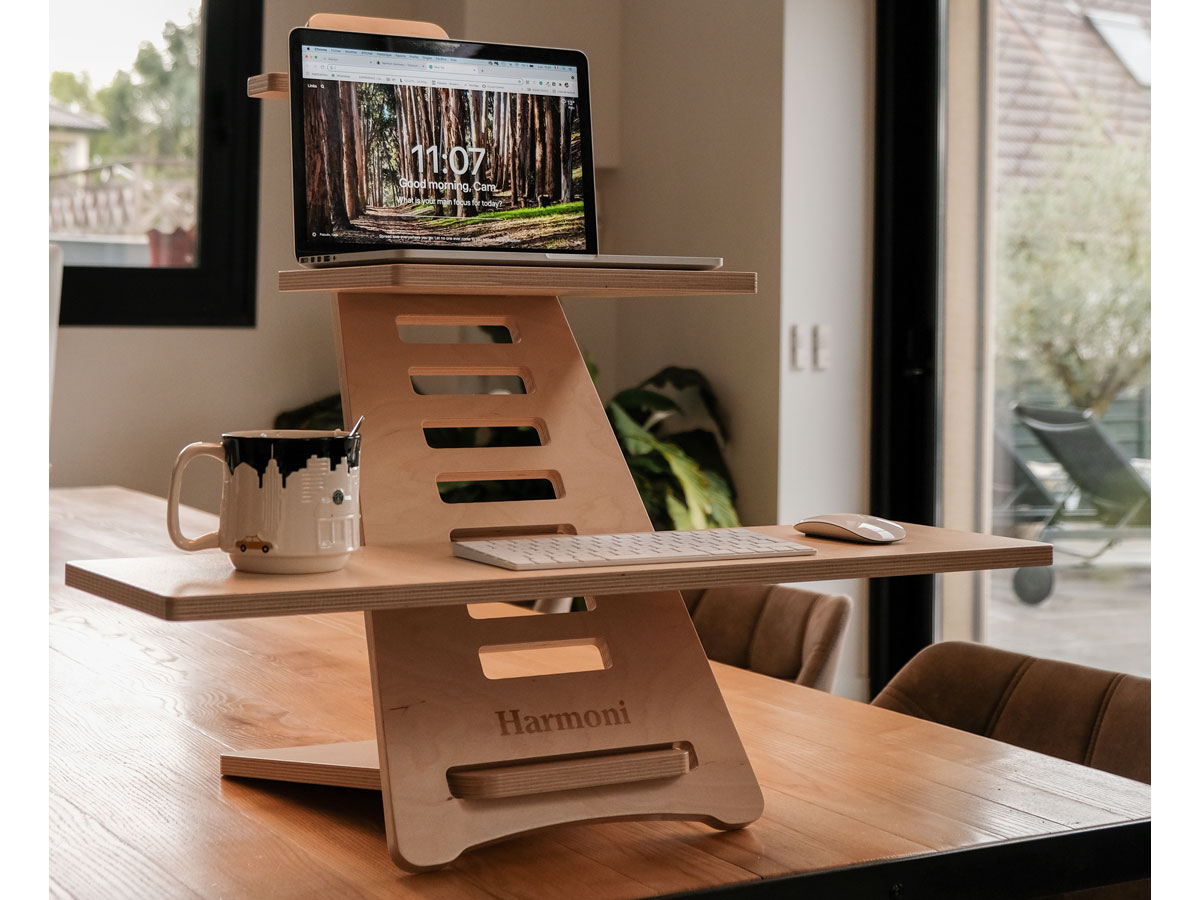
(1097, 615)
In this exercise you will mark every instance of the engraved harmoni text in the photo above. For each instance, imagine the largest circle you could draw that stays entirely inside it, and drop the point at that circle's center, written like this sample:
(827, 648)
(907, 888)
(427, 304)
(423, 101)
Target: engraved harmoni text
(513, 722)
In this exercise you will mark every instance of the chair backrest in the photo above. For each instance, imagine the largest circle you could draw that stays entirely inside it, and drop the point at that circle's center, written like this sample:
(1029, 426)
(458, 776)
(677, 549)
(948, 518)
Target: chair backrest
(778, 630)
(1100, 468)
(1089, 716)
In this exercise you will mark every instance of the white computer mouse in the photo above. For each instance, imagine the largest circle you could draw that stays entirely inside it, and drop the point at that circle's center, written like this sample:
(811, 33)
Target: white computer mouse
(852, 527)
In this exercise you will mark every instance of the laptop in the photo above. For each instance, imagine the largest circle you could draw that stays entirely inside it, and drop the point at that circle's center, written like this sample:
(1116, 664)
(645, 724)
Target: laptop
(408, 149)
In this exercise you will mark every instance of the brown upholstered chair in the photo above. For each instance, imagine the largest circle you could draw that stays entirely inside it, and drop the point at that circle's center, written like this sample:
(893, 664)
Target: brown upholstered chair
(778, 630)
(1089, 716)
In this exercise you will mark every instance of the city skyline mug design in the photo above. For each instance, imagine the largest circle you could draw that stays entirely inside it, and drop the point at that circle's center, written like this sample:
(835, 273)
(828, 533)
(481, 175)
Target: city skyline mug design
(289, 500)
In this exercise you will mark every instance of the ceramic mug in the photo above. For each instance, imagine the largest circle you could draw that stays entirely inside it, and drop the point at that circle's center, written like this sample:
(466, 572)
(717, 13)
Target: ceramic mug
(289, 500)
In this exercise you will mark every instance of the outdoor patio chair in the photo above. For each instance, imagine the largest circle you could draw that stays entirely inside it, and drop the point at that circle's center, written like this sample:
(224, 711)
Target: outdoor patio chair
(1019, 497)
(1103, 477)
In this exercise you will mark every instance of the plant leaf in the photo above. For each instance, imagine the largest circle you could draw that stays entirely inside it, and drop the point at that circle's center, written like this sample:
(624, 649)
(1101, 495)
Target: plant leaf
(694, 485)
(681, 519)
(722, 512)
(701, 445)
(705, 495)
(648, 464)
(635, 440)
(639, 399)
(682, 379)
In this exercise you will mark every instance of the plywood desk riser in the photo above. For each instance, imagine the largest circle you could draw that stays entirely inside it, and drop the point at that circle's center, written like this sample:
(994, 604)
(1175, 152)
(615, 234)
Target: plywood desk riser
(435, 712)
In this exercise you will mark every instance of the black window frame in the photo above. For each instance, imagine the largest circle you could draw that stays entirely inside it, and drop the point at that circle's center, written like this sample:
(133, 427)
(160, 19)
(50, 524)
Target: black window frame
(219, 291)
(910, 44)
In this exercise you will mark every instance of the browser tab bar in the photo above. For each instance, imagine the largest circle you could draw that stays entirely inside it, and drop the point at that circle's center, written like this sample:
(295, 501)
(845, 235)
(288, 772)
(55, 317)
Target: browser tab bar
(342, 64)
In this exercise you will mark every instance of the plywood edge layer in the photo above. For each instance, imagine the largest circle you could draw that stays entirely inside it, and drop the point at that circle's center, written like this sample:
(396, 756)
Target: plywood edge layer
(529, 280)
(352, 765)
(119, 591)
(268, 85)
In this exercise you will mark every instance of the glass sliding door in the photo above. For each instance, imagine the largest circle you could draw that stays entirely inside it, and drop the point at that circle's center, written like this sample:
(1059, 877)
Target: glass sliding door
(1047, 327)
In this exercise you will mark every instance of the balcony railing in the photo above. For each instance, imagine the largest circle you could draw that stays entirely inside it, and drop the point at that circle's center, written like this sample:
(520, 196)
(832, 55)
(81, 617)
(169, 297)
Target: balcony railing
(131, 197)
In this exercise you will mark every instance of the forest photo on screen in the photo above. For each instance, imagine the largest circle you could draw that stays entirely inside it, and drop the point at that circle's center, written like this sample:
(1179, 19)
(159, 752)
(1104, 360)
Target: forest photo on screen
(401, 165)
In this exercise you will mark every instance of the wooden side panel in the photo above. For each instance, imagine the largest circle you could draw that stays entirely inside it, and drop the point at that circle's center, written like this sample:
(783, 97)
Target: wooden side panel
(436, 711)
(567, 735)
(400, 471)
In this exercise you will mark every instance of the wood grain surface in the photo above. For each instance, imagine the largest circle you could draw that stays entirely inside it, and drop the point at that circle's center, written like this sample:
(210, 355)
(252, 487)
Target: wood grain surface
(141, 709)
(204, 585)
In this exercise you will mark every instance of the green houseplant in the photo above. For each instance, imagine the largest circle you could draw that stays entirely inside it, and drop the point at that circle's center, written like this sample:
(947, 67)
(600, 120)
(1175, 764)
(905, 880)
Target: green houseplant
(681, 475)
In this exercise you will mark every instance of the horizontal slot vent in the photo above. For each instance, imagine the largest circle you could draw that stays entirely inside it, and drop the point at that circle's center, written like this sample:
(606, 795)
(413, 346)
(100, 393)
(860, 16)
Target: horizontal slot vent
(503, 531)
(466, 489)
(551, 606)
(543, 658)
(470, 383)
(456, 330)
(444, 436)
(565, 773)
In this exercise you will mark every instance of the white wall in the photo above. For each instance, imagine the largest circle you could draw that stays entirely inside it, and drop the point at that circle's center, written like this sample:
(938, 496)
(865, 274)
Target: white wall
(824, 416)
(699, 175)
(741, 130)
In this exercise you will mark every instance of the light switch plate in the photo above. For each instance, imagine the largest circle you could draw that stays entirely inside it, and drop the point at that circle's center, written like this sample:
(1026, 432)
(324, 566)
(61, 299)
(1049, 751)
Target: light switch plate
(797, 349)
(822, 348)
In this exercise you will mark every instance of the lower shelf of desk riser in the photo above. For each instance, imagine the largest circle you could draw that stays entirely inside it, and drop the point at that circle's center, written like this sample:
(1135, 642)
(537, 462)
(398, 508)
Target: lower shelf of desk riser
(204, 585)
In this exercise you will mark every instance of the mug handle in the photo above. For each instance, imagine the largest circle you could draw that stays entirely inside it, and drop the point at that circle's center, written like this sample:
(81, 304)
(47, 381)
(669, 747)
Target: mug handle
(186, 455)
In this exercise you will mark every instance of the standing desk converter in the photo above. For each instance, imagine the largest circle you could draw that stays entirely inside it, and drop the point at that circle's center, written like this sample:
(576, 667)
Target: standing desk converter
(463, 759)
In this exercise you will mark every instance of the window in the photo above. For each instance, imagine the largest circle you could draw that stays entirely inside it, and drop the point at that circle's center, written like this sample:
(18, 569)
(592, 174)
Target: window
(1013, 324)
(1068, 200)
(156, 203)
(909, 49)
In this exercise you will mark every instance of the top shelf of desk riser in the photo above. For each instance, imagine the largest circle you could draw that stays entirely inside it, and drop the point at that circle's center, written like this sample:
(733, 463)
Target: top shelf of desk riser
(547, 281)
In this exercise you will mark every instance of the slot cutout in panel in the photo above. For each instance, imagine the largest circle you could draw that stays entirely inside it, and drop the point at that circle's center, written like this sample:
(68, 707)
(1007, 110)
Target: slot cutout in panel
(449, 435)
(483, 489)
(543, 658)
(469, 383)
(456, 330)
(494, 532)
(554, 606)
(567, 772)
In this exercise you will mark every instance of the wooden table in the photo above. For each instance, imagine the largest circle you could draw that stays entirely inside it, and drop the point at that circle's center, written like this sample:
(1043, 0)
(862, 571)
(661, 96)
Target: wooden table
(858, 799)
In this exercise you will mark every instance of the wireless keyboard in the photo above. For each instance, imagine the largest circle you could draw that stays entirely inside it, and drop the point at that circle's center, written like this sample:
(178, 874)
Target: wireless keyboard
(572, 550)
